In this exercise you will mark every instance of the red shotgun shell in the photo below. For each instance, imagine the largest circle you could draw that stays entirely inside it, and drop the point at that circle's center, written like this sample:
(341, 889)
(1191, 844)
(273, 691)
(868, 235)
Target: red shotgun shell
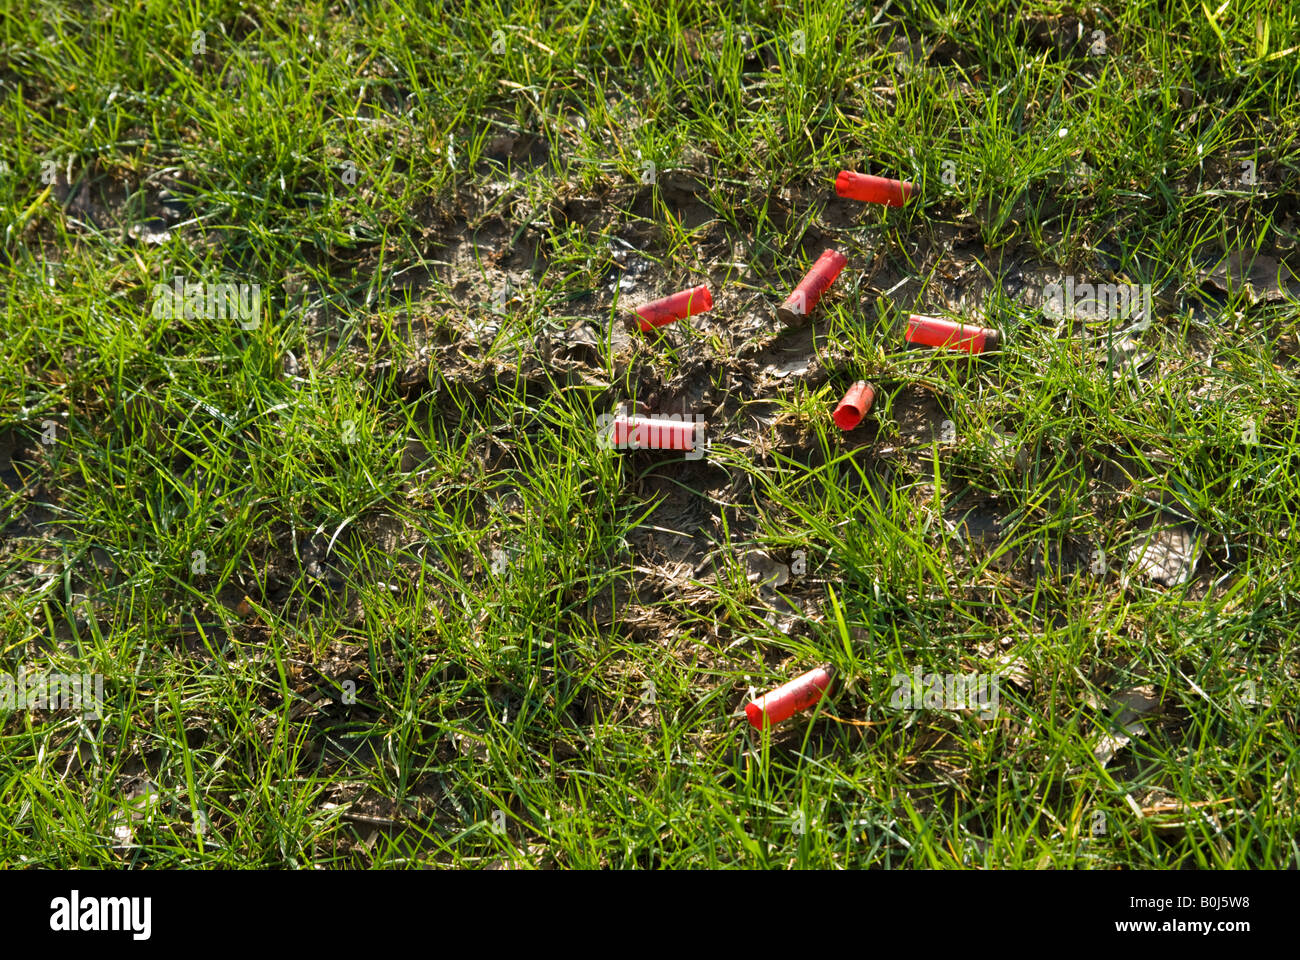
(936, 332)
(869, 189)
(815, 282)
(788, 699)
(687, 303)
(857, 401)
(651, 433)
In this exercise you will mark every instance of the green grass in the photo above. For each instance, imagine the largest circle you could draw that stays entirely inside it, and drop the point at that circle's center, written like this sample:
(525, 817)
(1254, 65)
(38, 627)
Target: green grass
(389, 604)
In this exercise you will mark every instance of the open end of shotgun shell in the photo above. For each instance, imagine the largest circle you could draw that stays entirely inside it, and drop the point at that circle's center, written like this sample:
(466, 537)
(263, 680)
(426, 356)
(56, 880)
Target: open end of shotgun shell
(854, 406)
